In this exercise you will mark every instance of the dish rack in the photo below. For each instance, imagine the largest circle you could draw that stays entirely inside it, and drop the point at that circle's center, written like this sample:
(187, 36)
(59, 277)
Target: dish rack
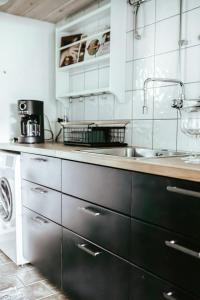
(94, 133)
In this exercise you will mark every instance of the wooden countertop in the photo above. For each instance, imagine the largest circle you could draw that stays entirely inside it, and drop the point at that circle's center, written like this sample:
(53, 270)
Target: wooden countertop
(171, 167)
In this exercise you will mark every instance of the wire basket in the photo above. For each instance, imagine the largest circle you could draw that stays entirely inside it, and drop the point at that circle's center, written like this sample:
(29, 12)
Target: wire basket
(94, 136)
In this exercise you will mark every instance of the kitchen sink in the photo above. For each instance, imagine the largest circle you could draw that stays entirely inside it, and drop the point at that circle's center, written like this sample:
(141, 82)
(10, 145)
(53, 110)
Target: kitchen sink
(135, 152)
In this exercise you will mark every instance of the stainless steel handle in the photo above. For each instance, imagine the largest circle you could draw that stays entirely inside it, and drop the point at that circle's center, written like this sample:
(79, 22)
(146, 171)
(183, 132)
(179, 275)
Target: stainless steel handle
(39, 190)
(39, 159)
(173, 244)
(85, 248)
(181, 191)
(169, 296)
(40, 220)
(90, 210)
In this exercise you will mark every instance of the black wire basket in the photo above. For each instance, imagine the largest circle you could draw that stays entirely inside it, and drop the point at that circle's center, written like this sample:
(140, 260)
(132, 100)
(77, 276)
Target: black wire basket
(94, 135)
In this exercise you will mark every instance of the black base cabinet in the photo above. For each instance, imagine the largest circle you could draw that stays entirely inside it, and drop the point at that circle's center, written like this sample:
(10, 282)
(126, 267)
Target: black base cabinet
(145, 286)
(42, 245)
(90, 273)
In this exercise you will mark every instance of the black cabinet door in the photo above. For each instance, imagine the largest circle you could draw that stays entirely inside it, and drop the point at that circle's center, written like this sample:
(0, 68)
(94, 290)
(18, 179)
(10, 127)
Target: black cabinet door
(145, 286)
(42, 245)
(104, 227)
(170, 203)
(101, 185)
(41, 169)
(42, 200)
(166, 254)
(90, 273)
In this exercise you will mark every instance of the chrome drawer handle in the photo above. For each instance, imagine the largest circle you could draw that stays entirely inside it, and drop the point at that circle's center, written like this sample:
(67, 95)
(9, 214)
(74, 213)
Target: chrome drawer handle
(40, 220)
(39, 190)
(169, 296)
(174, 245)
(90, 210)
(39, 159)
(85, 249)
(181, 191)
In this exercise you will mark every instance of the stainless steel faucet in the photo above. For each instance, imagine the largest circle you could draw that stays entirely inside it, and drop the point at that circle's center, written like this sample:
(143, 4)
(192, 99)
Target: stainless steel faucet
(177, 103)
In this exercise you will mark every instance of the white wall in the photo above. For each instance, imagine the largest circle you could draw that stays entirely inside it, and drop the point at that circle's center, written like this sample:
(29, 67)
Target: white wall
(156, 54)
(26, 69)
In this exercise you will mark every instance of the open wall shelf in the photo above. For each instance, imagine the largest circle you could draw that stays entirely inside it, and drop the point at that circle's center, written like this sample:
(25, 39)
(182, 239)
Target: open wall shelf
(94, 24)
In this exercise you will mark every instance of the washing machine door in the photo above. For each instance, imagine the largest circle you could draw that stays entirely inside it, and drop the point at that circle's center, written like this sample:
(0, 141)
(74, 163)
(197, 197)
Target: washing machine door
(6, 201)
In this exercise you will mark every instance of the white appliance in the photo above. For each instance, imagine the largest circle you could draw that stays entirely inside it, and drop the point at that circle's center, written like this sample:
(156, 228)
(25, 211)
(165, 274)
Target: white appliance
(11, 207)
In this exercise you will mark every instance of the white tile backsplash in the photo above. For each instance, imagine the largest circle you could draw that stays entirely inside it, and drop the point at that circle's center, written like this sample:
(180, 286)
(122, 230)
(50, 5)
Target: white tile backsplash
(124, 110)
(163, 97)
(167, 35)
(138, 100)
(91, 108)
(166, 8)
(191, 27)
(164, 134)
(142, 133)
(144, 47)
(155, 55)
(142, 69)
(191, 64)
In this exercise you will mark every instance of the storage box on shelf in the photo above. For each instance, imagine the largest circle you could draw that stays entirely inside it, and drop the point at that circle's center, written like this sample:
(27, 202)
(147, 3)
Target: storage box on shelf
(92, 25)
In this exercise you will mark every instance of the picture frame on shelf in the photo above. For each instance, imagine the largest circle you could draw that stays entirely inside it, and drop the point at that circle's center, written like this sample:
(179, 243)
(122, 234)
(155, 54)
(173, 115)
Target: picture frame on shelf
(69, 55)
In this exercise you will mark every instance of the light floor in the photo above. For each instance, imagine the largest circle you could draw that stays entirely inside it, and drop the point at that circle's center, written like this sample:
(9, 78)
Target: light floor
(24, 283)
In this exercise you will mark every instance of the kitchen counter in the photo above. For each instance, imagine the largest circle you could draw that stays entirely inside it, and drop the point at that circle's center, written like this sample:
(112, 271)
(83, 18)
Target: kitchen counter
(171, 167)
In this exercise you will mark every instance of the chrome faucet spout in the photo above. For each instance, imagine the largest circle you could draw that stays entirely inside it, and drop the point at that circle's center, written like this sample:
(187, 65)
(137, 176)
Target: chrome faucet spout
(157, 79)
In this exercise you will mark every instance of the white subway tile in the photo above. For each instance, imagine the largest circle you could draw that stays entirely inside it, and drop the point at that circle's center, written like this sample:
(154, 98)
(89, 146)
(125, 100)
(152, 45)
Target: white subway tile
(166, 66)
(124, 110)
(142, 133)
(77, 109)
(145, 46)
(106, 107)
(190, 4)
(91, 108)
(129, 76)
(165, 134)
(166, 8)
(192, 90)
(138, 101)
(142, 69)
(167, 35)
(163, 97)
(129, 45)
(191, 27)
(190, 64)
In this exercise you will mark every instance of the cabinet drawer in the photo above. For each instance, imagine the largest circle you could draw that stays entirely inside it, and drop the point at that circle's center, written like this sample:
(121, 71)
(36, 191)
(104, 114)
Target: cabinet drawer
(42, 170)
(42, 245)
(145, 286)
(42, 200)
(168, 202)
(91, 273)
(101, 185)
(108, 229)
(169, 255)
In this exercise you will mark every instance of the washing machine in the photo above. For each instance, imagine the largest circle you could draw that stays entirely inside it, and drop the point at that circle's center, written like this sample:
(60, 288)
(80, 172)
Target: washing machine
(11, 207)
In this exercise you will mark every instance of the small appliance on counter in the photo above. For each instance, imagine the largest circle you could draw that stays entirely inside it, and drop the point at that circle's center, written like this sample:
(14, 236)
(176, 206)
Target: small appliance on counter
(95, 133)
(32, 121)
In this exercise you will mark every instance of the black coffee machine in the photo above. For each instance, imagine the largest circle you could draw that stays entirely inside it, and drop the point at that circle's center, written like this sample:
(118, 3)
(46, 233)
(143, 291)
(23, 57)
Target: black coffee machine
(32, 121)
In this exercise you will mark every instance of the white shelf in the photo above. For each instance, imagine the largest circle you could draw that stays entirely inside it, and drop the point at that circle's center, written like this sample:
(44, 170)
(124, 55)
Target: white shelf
(85, 93)
(85, 39)
(85, 19)
(92, 61)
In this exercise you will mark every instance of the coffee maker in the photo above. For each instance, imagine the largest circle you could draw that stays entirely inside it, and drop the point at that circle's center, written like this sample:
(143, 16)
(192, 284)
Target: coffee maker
(32, 121)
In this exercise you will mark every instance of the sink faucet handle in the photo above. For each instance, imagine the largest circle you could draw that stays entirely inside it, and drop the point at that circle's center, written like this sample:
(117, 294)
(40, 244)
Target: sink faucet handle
(177, 103)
